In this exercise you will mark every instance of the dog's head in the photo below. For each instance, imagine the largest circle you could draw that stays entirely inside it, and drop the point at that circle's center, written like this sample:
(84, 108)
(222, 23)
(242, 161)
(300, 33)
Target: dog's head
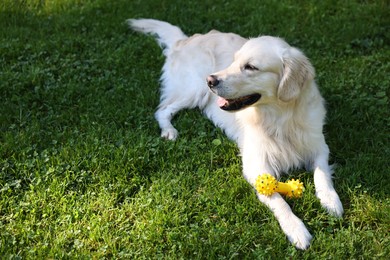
(264, 70)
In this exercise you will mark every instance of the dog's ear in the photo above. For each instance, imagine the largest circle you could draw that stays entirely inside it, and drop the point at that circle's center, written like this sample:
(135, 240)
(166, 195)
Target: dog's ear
(297, 70)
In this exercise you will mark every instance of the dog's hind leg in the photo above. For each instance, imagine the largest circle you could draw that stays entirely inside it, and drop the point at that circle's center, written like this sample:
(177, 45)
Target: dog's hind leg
(165, 112)
(173, 101)
(177, 95)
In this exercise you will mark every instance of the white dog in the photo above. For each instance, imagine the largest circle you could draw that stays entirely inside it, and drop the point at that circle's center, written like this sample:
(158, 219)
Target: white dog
(262, 93)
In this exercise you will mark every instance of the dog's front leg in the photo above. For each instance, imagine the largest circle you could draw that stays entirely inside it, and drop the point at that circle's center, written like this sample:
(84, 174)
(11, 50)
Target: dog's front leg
(324, 185)
(291, 225)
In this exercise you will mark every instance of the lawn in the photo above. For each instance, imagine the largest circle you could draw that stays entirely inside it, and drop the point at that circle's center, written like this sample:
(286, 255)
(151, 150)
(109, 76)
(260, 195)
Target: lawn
(84, 173)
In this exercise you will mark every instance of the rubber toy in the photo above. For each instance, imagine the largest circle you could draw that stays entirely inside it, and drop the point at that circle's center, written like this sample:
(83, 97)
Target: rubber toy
(266, 184)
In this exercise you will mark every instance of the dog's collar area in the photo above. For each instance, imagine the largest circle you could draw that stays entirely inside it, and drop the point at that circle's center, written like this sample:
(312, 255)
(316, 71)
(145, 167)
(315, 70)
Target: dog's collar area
(238, 103)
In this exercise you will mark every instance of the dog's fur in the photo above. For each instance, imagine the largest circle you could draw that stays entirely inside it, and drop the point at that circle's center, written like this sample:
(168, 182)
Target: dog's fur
(279, 114)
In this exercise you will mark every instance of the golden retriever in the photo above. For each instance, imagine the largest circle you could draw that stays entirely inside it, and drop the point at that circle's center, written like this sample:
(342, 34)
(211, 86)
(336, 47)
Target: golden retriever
(262, 93)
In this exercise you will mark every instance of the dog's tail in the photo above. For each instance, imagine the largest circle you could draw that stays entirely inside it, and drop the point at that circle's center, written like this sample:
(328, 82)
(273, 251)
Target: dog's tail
(166, 34)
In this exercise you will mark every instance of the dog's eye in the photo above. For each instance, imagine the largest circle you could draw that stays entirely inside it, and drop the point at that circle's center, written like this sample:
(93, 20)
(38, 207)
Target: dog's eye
(250, 67)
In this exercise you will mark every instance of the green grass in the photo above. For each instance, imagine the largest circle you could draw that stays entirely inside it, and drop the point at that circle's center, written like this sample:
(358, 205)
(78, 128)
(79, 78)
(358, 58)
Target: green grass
(84, 174)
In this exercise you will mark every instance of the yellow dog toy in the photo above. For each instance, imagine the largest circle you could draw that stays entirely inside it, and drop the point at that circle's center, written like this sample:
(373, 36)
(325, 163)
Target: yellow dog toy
(266, 184)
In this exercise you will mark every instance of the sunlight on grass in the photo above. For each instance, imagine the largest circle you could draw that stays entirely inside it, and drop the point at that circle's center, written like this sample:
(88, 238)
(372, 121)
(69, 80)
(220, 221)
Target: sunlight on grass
(41, 6)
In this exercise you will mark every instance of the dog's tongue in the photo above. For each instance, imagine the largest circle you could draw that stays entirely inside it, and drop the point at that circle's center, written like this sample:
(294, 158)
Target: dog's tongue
(222, 102)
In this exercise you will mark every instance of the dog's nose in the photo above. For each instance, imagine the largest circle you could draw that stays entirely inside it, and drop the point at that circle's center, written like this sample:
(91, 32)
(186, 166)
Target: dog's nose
(212, 81)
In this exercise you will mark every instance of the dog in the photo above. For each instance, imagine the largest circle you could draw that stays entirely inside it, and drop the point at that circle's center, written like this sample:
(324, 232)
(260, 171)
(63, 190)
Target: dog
(261, 92)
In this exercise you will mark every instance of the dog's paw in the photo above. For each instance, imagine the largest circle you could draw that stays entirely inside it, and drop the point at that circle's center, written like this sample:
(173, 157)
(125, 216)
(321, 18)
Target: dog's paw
(331, 202)
(169, 133)
(296, 231)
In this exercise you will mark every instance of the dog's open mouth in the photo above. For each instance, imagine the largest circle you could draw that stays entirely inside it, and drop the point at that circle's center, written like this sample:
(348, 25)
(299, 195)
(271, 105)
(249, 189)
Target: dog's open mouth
(238, 103)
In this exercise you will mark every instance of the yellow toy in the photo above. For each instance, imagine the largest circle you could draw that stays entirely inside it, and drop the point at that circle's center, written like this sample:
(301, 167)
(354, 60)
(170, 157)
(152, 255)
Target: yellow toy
(266, 184)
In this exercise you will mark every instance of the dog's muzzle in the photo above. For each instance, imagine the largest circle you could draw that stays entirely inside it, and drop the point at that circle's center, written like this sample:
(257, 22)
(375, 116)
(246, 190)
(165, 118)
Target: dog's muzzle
(231, 104)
